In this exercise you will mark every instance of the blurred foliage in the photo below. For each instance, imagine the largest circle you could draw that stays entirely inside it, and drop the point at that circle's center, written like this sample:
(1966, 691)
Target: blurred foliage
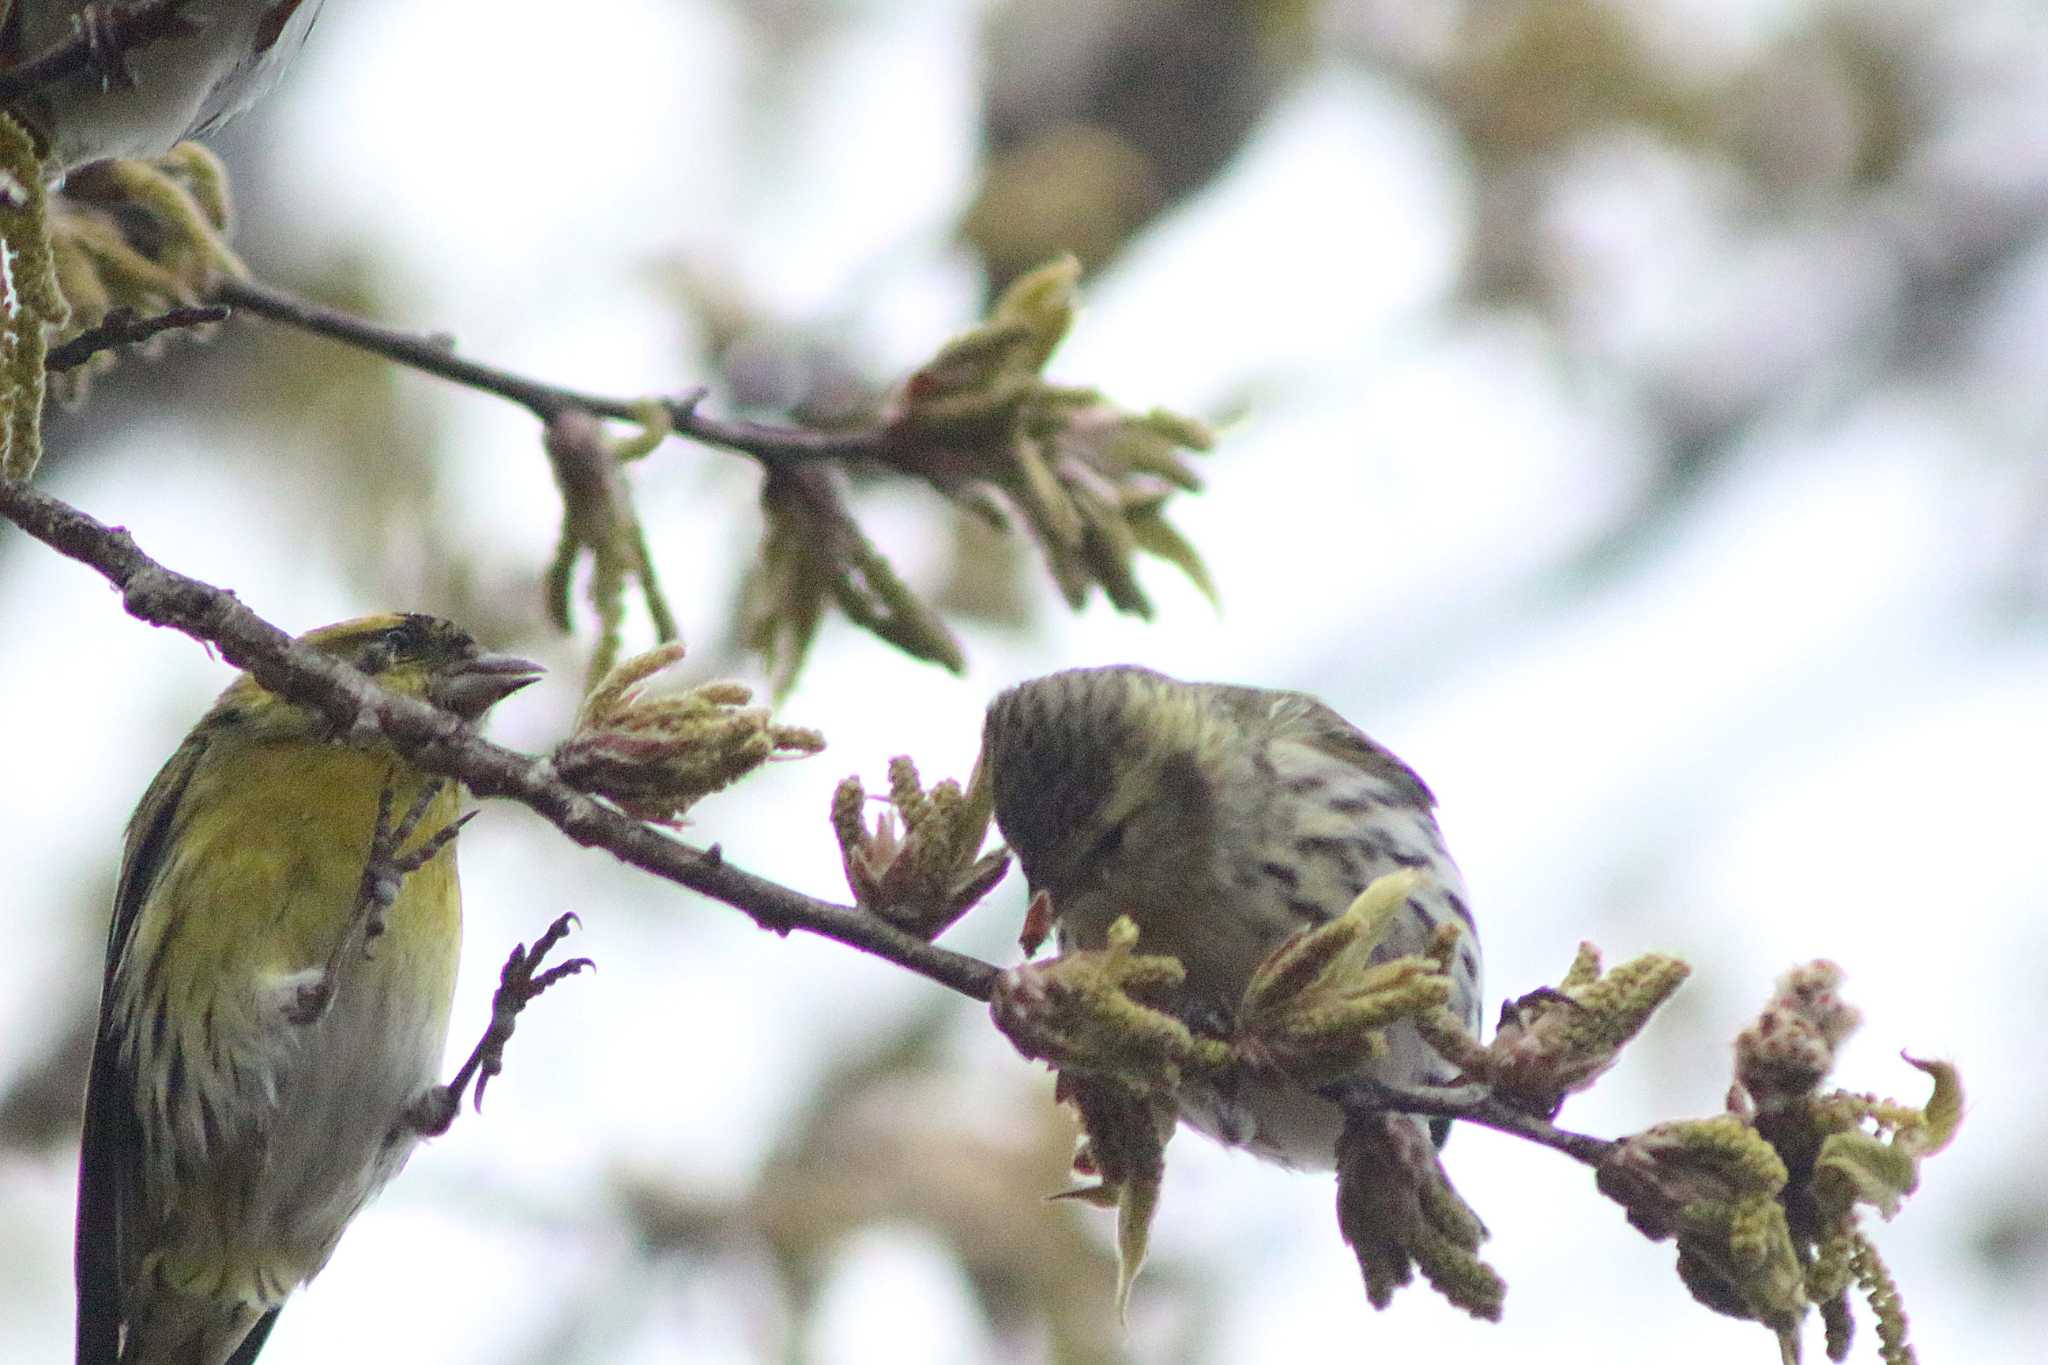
(138, 238)
(1098, 116)
(884, 1138)
(599, 521)
(359, 423)
(1817, 175)
(31, 304)
(43, 1099)
(815, 553)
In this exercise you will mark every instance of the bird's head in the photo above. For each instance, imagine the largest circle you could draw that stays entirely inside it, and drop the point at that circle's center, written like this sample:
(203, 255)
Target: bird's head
(1101, 775)
(418, 656)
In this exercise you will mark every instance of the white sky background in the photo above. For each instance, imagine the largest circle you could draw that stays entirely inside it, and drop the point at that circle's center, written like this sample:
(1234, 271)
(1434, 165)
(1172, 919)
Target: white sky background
(1793, 727)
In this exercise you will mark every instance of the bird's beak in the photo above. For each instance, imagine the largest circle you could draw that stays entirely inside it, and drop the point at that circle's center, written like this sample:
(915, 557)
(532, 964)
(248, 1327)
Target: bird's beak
(1038, 922)
(478, 684)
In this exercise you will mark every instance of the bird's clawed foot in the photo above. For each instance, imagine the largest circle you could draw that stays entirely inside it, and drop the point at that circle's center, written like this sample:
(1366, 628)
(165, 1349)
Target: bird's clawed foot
(518, 984)
(385, 869)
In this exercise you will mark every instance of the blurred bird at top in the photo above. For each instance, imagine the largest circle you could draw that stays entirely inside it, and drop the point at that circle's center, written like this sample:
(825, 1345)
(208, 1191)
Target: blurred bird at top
(1100, 115)
(1223, 820)
(276, 998)
(220, 57)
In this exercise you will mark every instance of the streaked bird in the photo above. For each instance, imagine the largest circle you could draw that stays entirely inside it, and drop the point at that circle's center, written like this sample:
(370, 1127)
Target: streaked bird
(263, 1039)
(1222, 820)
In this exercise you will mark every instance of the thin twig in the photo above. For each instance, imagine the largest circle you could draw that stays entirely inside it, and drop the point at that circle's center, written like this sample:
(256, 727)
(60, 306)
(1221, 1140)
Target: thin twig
(1471, 1103)
(435, 355)
(117, 31)
(122, 327)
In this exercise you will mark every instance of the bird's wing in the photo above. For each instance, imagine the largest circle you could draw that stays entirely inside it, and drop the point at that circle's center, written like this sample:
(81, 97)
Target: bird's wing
(245, 1354)
(110, 1152)
(1307, 721)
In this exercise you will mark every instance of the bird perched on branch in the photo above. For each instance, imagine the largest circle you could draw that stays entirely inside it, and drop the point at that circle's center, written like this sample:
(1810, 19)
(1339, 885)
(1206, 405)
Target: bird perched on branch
(1223, 821)
(156, 84)
(276, 998)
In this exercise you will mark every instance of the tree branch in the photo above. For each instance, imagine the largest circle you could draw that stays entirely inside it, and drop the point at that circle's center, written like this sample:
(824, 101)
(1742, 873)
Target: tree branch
(1471, 1103)
(441, 743)
(122, 327)
(435, 355)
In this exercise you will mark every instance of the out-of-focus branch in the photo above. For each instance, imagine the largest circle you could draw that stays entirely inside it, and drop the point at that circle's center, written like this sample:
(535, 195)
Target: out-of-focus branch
(435, 355)
(124, 328)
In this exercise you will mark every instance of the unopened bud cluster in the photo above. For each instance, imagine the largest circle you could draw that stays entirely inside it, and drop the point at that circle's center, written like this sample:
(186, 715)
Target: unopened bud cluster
(925, 876)
(654, 756)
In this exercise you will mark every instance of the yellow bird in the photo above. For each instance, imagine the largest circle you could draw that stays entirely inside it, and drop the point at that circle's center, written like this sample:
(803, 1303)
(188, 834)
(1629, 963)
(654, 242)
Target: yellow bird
(278, 980)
